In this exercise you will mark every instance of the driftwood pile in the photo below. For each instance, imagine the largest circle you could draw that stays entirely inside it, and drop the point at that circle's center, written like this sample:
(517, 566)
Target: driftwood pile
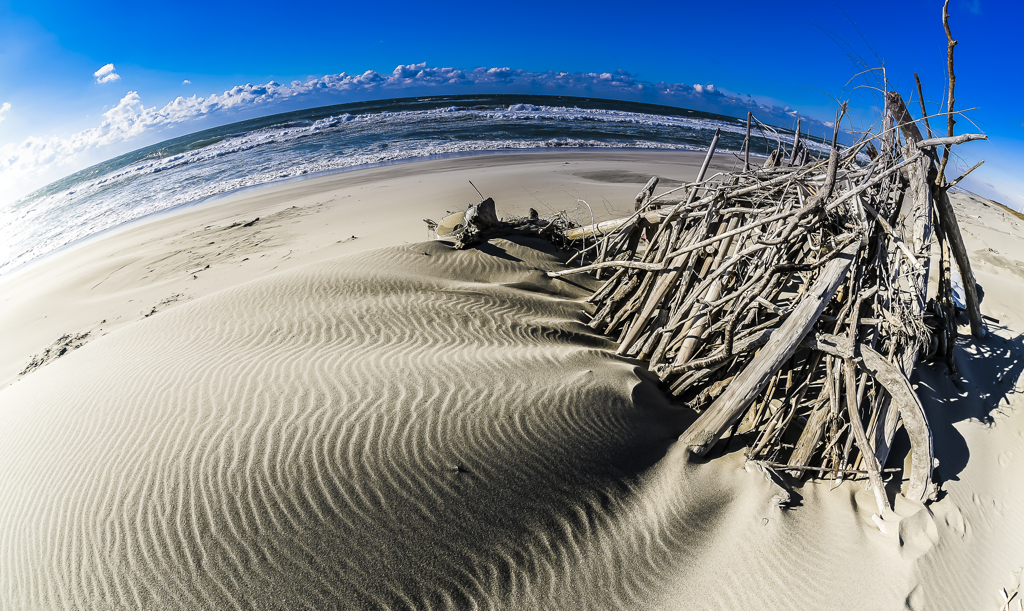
(787, 304)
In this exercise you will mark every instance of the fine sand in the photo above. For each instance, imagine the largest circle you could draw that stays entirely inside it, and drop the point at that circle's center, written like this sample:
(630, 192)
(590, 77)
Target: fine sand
(322, 410)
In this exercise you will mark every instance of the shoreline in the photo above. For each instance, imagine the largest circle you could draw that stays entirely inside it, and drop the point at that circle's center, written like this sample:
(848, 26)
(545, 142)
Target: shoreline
(242, 191)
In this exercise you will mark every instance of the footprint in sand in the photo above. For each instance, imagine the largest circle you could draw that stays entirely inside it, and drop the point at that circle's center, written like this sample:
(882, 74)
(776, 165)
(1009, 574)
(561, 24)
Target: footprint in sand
(955, 521)
(918, 533)
(1004, 458)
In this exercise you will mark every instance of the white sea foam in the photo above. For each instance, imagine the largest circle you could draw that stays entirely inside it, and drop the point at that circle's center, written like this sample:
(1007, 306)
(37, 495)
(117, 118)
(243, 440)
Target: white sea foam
(30, 228)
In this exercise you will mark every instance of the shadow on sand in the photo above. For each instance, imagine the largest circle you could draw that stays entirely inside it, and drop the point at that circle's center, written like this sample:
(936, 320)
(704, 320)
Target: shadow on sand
(985, 384)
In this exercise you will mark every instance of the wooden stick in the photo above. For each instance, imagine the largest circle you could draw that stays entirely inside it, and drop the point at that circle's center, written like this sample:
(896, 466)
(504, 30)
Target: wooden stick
(651, 267)
(746, 145)
(857, 426)
(645, 194)
(707, 158)
(924, 111)
(796, 142)
(964, 175)
(810, 436)
(776, 465)
(949, 141)
(952, 85)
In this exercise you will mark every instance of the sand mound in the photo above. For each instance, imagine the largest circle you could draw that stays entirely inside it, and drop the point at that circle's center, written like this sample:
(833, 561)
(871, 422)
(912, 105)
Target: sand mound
(403, 427)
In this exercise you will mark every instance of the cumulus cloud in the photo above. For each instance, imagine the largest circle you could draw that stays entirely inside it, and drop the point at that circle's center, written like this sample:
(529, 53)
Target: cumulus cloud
(106, 74)
(6, 106)
(186, 82)
(130, 117)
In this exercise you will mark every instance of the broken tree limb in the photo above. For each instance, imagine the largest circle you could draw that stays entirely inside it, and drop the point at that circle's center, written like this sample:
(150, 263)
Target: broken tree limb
(646, 193)
(950, 140)
(924, 111)
(707, 158)
(746, 145)
(796, 142)
(956, 242)
(857, 425)
(950, 101)
(964, 175)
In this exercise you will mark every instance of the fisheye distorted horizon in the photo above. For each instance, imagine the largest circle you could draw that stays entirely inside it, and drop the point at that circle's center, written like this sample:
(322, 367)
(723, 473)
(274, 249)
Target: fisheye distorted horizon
(80, 84)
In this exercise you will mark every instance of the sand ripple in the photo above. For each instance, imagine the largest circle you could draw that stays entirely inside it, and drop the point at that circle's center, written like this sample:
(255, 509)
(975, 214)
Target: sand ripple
(406, 428)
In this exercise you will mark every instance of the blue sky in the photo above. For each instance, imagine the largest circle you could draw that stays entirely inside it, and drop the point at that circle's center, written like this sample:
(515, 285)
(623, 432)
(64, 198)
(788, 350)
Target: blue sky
(62, 108)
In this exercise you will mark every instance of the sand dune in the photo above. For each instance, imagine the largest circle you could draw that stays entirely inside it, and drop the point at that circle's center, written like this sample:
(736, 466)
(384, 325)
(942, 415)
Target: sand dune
(346, 433)
(414, 427)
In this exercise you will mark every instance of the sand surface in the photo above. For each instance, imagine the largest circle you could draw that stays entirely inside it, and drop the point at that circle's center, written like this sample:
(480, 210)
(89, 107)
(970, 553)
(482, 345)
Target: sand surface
(281, 415)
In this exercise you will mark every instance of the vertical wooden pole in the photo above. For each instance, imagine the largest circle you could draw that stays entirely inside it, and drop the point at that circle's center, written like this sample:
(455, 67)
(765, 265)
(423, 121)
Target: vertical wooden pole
(796, 143)
(746, 145)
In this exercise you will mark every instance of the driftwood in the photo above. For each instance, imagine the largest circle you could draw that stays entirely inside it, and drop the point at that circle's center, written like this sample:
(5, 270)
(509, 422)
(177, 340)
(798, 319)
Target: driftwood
(480, 223)
(789, 305)
(755, 376)
(947, 216)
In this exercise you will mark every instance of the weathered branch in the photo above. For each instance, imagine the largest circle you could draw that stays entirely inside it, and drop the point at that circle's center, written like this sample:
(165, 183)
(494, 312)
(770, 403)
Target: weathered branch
(952, 86)
(948, 219)
(949, 141)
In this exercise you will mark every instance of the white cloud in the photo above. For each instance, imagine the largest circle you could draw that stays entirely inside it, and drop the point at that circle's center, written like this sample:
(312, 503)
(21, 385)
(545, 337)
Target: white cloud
(106, 74)
(6, 106)
(186, 82)
(28, 162)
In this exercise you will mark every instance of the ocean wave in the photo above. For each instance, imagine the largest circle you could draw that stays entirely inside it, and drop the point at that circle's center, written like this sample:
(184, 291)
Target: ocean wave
(208, 165)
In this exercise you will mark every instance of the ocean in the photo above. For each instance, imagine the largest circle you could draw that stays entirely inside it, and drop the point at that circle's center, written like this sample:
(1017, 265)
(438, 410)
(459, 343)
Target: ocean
(209, 163)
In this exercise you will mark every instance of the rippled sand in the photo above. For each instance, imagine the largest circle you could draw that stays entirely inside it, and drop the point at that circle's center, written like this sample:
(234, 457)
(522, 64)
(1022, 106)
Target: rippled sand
(415, 427)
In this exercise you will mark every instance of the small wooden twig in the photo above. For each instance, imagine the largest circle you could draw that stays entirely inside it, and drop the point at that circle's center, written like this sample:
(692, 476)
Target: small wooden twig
(924, 111)
(964, 175)
(746, 145)
(952, 84)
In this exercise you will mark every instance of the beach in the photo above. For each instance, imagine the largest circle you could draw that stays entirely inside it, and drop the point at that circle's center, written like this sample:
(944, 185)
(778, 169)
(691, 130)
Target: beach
(289, 397)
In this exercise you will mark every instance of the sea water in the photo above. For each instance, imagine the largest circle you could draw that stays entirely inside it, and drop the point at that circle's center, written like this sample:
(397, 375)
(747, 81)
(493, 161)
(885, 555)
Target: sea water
(212, 162)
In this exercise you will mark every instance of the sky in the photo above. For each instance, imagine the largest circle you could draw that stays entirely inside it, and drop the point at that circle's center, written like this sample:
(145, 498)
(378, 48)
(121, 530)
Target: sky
(81, 82)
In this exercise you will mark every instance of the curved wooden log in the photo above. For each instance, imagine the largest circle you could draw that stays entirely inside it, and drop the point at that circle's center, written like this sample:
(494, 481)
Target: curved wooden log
(905, 399)
(914, 419)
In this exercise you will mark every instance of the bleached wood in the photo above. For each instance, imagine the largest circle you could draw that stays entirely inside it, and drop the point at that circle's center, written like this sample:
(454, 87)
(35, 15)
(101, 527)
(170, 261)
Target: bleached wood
(727, 409)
